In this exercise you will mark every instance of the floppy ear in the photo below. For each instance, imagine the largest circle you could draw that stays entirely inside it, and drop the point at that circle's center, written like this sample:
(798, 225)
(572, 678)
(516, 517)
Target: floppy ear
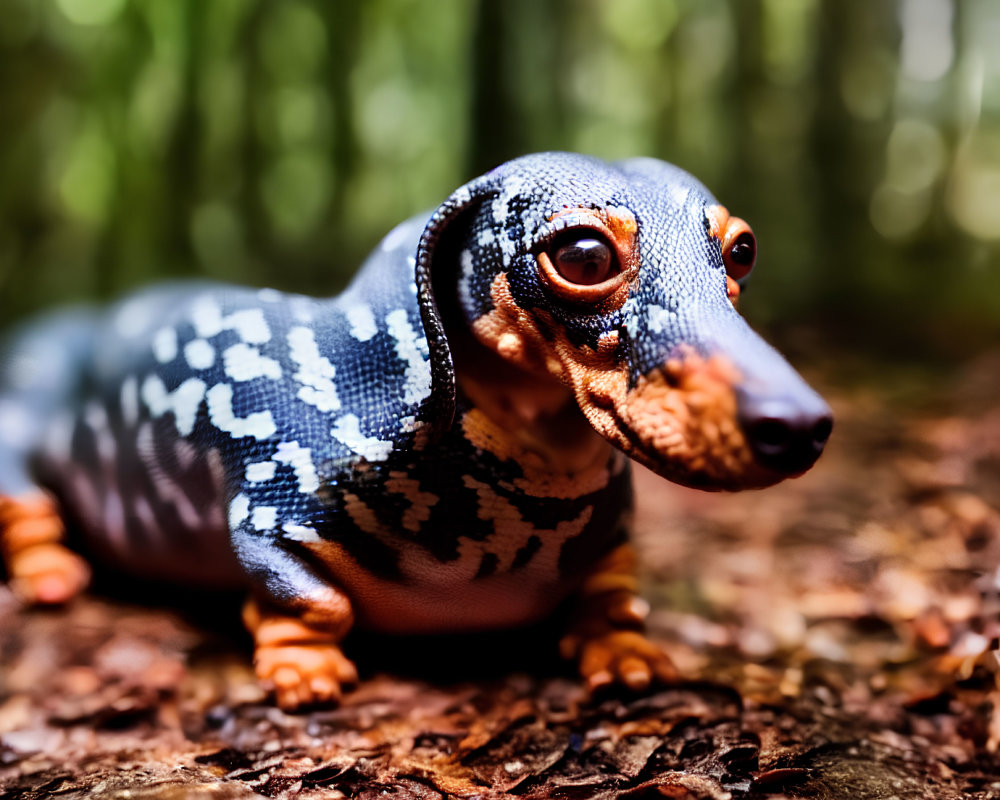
(437, 263)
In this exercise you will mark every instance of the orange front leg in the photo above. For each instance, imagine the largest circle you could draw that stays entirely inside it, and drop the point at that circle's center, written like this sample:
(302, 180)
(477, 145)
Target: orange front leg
(39, 567)
(607, 636)
(297, 657)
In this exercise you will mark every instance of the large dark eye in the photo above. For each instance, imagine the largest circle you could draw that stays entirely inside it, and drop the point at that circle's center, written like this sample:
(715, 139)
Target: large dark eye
(744, 251)
(586, 261)
(739, 249)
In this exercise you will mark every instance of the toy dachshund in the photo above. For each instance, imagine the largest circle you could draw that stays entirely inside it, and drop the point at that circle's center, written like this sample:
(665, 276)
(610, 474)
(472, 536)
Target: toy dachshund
(440, 448)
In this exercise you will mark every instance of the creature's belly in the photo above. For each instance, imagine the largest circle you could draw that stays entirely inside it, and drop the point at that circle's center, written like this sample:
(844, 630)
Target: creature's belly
(147, 521)
(138, 536)
(433, 596)
(503, 601)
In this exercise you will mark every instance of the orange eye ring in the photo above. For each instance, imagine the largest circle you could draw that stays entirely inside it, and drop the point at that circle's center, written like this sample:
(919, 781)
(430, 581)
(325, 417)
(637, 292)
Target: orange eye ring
(739, 248)
(739, 245)
(587, 256)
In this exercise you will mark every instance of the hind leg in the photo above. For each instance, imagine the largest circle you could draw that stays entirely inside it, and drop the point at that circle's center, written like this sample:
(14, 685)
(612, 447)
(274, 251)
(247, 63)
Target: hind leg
(40, 372)
(40, 568)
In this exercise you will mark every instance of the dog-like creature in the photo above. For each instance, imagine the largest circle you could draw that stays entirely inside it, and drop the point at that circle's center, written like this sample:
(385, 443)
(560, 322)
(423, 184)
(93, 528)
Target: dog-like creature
(443, 447)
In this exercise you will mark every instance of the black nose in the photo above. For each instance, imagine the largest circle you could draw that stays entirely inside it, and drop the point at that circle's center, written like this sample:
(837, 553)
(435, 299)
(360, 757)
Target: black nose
(786, 434)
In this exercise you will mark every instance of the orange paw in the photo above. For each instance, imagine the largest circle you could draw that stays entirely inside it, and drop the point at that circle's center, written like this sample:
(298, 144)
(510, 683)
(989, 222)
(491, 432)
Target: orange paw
(619, 656)
(304, 674)
(47, 574)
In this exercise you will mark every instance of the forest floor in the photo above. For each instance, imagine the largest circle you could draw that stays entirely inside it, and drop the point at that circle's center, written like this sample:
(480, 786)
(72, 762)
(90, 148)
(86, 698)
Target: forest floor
(836, 633)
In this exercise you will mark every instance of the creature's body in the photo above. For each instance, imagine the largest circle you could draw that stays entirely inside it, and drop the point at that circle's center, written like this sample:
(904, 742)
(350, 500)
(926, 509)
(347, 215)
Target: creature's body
(441, 447)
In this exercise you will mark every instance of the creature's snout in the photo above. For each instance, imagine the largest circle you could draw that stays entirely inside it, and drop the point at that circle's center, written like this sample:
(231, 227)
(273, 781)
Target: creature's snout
(727, 413)
(785, 431)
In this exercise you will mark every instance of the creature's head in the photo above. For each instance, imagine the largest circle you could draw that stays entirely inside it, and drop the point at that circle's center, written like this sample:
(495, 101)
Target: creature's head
(620, 280)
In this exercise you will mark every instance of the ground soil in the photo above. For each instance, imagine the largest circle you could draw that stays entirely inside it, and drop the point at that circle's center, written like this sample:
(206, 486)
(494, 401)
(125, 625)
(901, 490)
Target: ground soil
(836, 634)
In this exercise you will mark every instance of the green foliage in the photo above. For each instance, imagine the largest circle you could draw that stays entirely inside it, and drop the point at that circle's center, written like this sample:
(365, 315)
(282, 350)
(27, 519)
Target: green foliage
(275, 142)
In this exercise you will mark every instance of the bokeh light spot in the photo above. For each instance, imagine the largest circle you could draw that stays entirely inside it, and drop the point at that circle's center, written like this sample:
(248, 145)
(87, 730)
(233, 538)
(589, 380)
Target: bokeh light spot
(638, 23)
(91, 12)
(974, 196)
(293, 42)
(87, 182)
(916, 155)
(896, 214)
(296, 189)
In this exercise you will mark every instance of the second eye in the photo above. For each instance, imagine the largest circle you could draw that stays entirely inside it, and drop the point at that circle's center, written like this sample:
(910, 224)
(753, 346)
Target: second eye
(585, 260)
(739, 249)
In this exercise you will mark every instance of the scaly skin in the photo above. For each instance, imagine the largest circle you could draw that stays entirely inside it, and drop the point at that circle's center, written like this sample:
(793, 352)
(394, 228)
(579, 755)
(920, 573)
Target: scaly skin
(440, 448)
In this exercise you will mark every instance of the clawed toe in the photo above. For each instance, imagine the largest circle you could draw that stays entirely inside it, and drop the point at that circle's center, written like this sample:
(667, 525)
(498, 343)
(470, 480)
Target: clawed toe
(304, 675)
(627, 658)
(47, 574)
(40, 568)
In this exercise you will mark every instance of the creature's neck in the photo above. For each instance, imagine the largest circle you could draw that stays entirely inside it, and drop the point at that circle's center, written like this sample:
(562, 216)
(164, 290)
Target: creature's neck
(538, 412)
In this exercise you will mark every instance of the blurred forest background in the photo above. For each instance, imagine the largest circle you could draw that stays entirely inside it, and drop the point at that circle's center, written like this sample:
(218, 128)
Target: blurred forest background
(274, 143)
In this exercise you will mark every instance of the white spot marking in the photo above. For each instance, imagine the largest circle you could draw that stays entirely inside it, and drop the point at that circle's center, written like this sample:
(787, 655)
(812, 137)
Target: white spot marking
(509, 249)
(300, 533)
(165, 345)
(659, 319)
(632, 326)
(199, 354)
(264, 518)
(249, 323)
(410, 424)
(408, 348)
(362, 322)
(58, 443)
(300, 460)
(239, 510)
(260, 471)
(347, 431)
(259, 424)
(133, 318)
(18, 426)
(302, 309)
(244, 363)
(206, 316)
(128, 400)
(501, 208)
(678, 193)
(465, 279)
(183, 401)
(315, 371)
(96, 418)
